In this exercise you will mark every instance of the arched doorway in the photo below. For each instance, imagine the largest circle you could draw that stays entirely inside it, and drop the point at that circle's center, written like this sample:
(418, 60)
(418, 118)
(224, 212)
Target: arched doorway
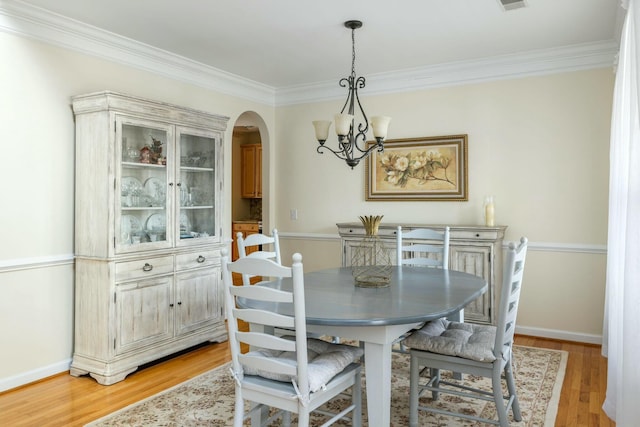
(249, 175)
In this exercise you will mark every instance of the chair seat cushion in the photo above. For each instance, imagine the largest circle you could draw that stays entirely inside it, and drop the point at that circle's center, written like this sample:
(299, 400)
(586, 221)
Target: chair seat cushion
(325, 361)
(466, 340)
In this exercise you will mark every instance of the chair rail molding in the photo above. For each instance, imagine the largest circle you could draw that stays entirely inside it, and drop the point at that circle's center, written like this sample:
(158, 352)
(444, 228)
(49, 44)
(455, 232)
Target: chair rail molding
(17, 264)
(588, 248)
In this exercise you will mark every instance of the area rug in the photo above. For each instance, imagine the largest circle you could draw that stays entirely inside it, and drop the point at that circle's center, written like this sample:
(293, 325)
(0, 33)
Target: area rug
(207, 400)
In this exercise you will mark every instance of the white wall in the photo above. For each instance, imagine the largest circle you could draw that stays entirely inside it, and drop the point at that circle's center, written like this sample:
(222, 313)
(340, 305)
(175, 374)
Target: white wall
(540, 145)
(37, 171)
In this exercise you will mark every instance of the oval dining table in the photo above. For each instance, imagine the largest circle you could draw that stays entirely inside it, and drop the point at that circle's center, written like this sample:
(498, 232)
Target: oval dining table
(377, 316)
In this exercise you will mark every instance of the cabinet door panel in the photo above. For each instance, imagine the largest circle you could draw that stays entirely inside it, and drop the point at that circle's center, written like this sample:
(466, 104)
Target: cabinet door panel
(198, 300)
(251, 183)
(248, 188)
(196, 194)
(143, 193)
(474, 260)
(143, 313)
(258, 174)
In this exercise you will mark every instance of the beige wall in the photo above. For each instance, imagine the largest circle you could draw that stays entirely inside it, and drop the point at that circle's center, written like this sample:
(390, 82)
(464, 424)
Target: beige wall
(538, 144)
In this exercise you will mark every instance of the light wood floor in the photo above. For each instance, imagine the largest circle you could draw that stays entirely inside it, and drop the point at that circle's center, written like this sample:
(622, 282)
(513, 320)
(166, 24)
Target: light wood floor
(63, 400)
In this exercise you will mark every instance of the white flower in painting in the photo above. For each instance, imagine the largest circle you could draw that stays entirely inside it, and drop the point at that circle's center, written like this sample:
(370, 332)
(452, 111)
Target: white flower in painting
(419, 161)
(393, 177)
(434, 155)
(385, 160)
(401, 164)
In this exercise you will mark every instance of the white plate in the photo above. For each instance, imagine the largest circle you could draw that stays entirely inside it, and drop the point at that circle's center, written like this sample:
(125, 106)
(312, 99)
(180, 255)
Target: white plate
(130, 185)
(156, 222)
(156, 189)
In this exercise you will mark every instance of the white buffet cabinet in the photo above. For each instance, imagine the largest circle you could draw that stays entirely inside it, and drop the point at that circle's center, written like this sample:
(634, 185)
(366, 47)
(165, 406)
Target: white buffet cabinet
(473, 249)
(148, 232)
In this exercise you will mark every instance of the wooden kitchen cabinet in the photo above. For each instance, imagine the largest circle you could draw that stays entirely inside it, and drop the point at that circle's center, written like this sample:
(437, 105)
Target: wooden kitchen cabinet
(246, 228)
(251, 171)
(475, 250)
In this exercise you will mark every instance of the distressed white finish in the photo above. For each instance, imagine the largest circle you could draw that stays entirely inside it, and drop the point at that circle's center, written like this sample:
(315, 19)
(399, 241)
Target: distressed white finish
(137, 302)
(472, 249)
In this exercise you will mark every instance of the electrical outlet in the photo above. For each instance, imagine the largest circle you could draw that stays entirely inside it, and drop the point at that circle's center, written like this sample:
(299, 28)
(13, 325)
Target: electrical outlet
(293, 213)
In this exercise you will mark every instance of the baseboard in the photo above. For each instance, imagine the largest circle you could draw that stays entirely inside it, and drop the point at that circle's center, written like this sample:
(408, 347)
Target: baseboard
(35, 375)
(559, 335)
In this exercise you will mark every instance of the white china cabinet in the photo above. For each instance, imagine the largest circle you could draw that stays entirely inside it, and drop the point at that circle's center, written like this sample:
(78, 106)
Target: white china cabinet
(148, 232)
(472, 249)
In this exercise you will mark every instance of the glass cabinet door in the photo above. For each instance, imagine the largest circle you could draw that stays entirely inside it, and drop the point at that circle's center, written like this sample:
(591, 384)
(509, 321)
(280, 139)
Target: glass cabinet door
(143, 192)
(196, 191)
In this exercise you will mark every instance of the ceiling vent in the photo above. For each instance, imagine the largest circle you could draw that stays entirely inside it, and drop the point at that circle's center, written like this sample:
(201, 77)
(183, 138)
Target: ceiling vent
(512, 4)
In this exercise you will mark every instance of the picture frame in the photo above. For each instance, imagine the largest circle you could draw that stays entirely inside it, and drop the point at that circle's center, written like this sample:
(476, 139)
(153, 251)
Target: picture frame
(418, 169)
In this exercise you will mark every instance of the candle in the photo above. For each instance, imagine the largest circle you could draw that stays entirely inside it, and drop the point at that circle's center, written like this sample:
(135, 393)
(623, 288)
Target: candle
(489, 212)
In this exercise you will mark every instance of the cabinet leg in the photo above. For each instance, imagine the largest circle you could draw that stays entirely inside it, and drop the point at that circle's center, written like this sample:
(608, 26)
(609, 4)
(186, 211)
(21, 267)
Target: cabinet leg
(75, 372)
(111, 379)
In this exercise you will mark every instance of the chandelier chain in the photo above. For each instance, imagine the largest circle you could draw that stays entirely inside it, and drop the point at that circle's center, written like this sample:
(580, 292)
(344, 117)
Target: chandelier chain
(353, 53)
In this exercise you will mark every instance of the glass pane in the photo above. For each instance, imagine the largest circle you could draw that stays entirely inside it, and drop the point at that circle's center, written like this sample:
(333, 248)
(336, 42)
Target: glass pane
(197, 189)
(143, 186)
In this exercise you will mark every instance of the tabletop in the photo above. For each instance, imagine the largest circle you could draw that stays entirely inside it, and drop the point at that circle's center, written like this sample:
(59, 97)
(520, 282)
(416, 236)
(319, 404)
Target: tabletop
(416, 294)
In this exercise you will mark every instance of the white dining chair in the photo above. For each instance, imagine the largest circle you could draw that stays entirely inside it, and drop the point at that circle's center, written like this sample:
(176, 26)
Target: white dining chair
(264, 246)
(294, 374)
(482, 350)
(428, 248)
(425, 248)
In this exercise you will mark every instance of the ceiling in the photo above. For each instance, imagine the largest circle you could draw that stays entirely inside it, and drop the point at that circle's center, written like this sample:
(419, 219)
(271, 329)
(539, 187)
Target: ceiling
(288, 43)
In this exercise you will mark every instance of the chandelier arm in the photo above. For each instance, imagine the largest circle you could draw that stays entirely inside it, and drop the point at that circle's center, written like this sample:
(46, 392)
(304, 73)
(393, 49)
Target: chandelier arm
(338, 154)
(363, 137)
(362, 129)
(379, 145)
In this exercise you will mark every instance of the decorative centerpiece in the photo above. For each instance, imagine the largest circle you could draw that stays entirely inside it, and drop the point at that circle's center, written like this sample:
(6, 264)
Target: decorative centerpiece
(371, 259)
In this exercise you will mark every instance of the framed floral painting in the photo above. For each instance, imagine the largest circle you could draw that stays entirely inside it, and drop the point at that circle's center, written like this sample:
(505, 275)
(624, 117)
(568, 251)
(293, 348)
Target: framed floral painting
(427, 169)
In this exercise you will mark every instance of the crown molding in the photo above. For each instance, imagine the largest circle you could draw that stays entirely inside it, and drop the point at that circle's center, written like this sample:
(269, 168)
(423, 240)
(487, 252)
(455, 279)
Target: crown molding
(39, 24)
(533, 63)
(36, 23)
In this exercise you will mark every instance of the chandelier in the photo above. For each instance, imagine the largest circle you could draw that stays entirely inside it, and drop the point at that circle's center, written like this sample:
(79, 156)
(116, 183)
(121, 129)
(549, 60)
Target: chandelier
(351, 145)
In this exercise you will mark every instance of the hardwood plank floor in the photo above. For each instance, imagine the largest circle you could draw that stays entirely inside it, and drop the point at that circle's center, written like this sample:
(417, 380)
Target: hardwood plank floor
(63, 400)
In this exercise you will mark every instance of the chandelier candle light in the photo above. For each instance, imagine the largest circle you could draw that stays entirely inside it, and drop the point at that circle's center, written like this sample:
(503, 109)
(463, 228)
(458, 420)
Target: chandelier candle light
(350, 149)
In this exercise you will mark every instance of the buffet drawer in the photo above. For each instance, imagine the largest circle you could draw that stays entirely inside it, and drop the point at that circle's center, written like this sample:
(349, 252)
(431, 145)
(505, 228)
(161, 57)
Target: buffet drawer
(197, 259)
(142, 268)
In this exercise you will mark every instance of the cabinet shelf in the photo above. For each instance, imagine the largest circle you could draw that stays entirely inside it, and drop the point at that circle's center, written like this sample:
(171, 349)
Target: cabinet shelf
(196, 207)
(143, 208)
(137, 165)
(195, 169)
